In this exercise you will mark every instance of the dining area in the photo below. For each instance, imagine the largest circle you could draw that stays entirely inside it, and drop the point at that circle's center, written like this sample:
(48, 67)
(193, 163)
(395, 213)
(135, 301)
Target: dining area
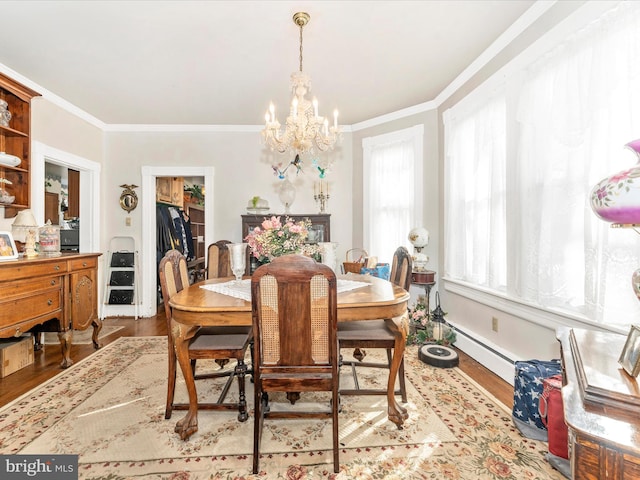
(280, 329)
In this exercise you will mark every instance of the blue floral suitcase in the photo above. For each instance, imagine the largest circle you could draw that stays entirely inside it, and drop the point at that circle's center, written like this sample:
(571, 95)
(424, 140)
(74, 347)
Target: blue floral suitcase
(527, 390)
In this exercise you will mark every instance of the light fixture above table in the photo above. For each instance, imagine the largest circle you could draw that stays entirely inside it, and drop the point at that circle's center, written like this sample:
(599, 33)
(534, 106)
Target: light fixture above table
(305, 131)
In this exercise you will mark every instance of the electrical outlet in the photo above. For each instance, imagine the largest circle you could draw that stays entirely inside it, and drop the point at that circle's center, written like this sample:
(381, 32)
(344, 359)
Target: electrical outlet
(494, 324)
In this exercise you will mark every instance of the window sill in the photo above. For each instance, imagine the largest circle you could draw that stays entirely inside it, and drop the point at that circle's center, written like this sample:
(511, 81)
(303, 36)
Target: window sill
(546, 317)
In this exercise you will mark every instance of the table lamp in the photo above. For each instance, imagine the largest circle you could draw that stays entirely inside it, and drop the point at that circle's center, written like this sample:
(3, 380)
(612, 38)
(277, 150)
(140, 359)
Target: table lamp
(22, 225)
(616, 199)
(419, 238)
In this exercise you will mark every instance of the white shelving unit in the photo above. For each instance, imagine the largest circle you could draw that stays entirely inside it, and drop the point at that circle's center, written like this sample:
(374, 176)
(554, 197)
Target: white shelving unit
(121, 281)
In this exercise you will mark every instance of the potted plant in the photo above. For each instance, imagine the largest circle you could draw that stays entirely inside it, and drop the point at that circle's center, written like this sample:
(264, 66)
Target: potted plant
(425, 327)
(194, 194)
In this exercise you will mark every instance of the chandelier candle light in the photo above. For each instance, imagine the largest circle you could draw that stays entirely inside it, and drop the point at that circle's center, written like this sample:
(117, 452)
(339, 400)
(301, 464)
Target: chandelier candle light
(305, 130)
(322, 197)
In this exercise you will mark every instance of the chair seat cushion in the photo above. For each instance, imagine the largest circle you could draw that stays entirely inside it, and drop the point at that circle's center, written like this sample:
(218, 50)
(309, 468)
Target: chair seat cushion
(365, 330)
(220, 342)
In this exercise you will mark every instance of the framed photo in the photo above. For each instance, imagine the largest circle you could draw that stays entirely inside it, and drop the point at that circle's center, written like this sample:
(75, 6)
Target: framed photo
(630, 356)
(8, 250)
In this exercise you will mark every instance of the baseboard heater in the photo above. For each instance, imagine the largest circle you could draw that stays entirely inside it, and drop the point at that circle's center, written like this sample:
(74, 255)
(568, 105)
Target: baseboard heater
(498, 362)
(485, 346)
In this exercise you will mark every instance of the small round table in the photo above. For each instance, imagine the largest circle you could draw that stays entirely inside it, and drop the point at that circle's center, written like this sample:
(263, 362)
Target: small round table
(427, 279)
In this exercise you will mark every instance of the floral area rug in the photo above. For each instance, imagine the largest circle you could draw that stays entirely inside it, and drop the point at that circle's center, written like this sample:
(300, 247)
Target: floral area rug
(109, 409)
(81, 337)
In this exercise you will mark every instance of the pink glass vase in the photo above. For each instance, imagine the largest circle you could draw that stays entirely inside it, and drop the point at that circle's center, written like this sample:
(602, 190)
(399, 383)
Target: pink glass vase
(616, 198)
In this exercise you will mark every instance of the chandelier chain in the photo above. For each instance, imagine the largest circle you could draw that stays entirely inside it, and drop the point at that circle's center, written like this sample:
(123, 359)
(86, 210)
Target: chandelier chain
(301, 27)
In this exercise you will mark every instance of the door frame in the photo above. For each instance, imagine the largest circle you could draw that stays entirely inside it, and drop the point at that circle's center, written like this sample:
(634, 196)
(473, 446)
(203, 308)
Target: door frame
(148, 260)
(89, 190)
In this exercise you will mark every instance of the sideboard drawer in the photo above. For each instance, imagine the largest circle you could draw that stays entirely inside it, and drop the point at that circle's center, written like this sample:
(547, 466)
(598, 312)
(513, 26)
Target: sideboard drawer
(80, 263)
(14, 311)
(33, 270)
(29, 287)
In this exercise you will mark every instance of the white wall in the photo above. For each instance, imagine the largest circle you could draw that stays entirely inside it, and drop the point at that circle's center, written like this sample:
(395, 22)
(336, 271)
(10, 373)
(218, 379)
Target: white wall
(242, 169)
(430, 183)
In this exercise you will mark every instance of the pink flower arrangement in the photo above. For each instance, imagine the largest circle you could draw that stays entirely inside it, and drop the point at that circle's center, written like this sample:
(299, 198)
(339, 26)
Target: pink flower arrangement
(274, 238)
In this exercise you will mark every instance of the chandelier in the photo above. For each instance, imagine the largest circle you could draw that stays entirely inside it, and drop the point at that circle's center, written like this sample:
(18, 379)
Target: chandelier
(304, 130)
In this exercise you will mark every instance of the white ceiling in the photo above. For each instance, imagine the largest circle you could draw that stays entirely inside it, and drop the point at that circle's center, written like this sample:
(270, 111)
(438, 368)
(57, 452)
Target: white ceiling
(222, 62)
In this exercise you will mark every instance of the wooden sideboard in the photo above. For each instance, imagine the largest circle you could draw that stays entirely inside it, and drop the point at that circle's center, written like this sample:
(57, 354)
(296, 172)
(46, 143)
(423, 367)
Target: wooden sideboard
(36, 290)
(600, 406)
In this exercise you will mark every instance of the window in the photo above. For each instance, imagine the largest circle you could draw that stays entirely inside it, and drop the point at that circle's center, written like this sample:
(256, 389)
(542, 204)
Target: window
(475, 199)
(524, 228)
(392, 176)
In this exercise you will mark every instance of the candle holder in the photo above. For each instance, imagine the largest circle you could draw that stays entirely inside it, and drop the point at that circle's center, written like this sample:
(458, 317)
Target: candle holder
(322, 198)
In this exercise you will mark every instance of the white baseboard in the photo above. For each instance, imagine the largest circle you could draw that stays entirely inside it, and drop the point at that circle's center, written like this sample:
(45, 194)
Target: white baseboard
(489, 355)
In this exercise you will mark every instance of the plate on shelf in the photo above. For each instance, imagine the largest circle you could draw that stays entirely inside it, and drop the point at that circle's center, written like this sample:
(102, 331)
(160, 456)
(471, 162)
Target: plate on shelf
(257, 210)
(9, 160)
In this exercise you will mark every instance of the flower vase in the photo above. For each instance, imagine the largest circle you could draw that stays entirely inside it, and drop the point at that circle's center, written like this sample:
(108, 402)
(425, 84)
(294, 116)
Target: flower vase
(287, 194)
(237, 259)
(328, 254)
(616, 198)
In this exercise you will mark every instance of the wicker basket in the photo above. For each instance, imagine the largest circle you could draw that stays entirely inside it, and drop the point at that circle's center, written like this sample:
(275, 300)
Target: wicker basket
(356, 259)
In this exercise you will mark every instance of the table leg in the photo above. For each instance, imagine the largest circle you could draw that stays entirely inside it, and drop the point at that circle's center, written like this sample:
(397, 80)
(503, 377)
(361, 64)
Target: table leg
(397, 413)
(427, 291)
(182, 334)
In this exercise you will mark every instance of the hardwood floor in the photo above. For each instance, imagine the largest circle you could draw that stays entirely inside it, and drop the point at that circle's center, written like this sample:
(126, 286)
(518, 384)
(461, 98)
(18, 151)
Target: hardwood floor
(47, 362)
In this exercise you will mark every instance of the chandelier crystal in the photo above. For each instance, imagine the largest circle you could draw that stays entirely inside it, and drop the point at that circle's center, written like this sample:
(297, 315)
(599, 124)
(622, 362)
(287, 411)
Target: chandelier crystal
(305, 130)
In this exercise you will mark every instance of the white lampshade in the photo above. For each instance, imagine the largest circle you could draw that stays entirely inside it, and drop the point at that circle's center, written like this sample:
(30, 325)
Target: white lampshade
(21, 224)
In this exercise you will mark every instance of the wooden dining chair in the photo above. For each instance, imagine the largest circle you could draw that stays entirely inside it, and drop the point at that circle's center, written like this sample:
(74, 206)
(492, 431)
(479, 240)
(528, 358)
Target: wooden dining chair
(215, 343)
(294, 311)
(218, 265)
(377, 333)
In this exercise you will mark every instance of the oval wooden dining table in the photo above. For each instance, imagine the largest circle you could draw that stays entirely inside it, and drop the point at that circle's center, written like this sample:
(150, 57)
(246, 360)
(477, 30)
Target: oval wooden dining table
(196, 307)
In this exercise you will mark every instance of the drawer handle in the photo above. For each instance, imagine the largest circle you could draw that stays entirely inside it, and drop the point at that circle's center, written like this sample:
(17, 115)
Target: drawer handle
(53, 282)
(84, 264)
(57, 267)
(49, 302)
(18, 332)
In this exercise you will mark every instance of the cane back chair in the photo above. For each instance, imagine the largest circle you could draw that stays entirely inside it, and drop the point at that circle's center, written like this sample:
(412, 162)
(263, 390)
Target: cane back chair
(294, 310)
(377, 334)
(208, 343)
(218, 265)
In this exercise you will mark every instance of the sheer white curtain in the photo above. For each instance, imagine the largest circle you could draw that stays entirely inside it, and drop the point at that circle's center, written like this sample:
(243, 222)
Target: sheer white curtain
(575, 108)
(578, 106)
(475, 189)
(392, 203)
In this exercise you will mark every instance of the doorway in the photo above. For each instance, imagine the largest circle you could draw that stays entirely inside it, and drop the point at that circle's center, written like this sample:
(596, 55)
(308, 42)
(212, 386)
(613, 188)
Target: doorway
(148, 259)
(89, 191)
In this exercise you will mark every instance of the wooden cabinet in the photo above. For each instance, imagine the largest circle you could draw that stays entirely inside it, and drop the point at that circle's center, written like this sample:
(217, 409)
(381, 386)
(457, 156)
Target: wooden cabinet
(196, 219)
(64, 288)
(73, 210)
(83, 288)
(170, 190)
(52, 208)
(15, 139)
(321, 223)
(600, 406)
